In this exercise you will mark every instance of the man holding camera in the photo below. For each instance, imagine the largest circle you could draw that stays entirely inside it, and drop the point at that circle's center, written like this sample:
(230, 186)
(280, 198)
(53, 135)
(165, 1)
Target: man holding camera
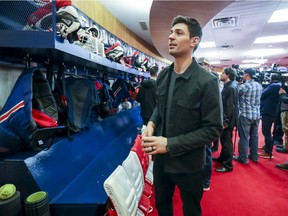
(249, 117)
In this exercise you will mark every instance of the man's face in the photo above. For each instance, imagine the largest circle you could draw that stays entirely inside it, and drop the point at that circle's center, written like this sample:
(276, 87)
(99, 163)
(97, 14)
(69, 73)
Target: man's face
(206, 66)
(179, 41)
(223, 76)
(245, 76)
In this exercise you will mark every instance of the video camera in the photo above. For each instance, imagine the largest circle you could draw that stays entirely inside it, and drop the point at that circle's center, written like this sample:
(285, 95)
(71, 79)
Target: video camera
(277, 73)
(239, 73)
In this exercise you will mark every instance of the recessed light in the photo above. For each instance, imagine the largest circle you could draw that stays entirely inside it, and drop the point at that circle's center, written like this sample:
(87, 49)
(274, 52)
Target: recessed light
(249, 65)
(279, 16)
(215, 62)
(264, 52)
(255, 61)
(272, 39)
(207, 44)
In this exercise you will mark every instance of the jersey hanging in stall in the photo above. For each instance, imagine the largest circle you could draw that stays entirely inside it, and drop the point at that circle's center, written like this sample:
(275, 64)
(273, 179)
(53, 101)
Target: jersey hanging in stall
(29, 106)
(82, 97)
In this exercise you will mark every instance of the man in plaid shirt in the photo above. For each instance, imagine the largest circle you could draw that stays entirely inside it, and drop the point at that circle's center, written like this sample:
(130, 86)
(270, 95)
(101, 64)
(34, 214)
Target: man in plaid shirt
(249, 117)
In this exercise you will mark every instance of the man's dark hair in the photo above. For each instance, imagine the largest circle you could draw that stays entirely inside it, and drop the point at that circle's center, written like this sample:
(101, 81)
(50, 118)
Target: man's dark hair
(193, 26)
(154, 70)
(230, 72)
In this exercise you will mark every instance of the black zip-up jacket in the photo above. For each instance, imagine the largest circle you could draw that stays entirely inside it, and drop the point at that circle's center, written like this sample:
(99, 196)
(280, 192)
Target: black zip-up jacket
(229, 98)
(270, 100)
(147, 98)
(195, 118)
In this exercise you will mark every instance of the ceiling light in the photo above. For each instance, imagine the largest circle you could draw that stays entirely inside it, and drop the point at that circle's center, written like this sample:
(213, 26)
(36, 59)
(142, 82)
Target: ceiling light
(207, 44)
(258, 61)
(264, 52)
(279, 16)
(249, 65)
(215, 62)
(209, 55)
(272, 39)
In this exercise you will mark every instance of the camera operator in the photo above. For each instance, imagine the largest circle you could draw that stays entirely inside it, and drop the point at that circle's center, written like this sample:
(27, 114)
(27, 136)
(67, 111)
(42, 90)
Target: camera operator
(280, 74)
(239, 74)
(269, 110)
(249, 117)
(284, 118)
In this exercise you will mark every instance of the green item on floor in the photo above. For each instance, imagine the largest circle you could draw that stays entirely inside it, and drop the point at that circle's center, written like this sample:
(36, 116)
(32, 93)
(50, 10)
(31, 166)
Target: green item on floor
(36, 196)
(7, 191)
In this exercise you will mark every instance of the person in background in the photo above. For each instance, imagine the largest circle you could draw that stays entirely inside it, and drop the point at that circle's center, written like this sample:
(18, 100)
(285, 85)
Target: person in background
(230, 113)
(269, 110)
(189, 109)
(284, 119)
(147, 95)
(277, 130)
(249, 117)
(206, 64)
(207, 172)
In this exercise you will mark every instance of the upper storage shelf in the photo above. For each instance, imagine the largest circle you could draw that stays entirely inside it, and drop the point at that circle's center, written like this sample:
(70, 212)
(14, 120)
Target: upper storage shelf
(29, 28)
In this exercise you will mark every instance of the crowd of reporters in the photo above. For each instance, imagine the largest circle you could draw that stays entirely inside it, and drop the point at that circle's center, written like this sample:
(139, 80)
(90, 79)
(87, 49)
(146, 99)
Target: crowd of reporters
(261, 97)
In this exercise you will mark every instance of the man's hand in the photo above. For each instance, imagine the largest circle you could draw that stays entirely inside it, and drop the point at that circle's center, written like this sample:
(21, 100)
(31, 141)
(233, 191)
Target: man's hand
(154, 144)
(149, 130)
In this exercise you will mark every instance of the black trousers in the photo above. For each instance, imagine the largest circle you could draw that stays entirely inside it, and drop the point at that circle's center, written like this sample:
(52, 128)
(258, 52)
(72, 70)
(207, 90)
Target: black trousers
(189, 184)
(226, 155)
(267, 122)
(277, 130)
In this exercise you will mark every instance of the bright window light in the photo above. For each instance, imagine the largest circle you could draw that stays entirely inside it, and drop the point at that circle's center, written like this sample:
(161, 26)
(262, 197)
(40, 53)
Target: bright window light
(264, 52)
(272, 39)
(207, 44)
(279, 16)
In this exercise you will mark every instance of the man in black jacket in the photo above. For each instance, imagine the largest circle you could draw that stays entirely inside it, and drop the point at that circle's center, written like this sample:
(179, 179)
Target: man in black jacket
(147, 95)
(229, 99)
(269, 110)
(189, 109)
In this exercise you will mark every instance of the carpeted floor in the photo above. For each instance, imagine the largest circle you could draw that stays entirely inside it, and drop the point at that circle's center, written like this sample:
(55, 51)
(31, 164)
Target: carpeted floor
(256, 189)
